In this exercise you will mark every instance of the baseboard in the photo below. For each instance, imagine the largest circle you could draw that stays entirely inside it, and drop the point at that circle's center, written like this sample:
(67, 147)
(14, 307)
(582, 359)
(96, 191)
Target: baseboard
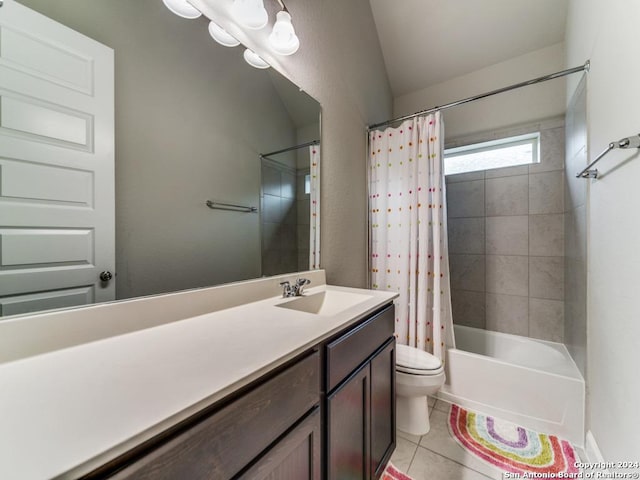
(592, 450)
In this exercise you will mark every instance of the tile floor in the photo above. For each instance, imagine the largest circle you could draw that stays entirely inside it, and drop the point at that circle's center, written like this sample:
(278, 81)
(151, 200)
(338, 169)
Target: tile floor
(436, 455)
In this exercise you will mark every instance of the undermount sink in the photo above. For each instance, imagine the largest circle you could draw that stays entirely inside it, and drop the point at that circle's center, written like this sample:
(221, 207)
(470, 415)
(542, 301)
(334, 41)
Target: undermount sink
(327, 303)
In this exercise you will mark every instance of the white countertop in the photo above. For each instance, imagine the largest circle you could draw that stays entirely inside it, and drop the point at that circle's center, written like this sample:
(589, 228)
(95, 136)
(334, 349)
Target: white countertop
(68, 411)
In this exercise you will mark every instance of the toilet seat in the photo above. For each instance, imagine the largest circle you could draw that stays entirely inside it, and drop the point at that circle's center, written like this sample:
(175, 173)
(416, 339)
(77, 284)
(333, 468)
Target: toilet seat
(417, 362)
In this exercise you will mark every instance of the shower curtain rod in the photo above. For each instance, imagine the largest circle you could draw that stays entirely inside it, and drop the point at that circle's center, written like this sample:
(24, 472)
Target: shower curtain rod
(295, 147)
(551, 76)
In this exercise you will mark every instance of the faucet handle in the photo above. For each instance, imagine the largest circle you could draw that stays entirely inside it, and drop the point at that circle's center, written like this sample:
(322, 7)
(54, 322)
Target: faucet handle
(299, 286)
(287, 289)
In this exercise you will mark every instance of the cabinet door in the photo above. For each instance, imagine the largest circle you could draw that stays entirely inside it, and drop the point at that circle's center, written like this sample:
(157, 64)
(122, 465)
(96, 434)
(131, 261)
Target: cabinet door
(296, 456)
(223, 443)
(348, 432)
(383, 407)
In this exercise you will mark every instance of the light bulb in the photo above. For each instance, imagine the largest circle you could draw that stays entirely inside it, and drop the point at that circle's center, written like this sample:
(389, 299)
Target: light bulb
(250, 13)
(221, 36)
(283, 39)
(182, 8)
(253, 59)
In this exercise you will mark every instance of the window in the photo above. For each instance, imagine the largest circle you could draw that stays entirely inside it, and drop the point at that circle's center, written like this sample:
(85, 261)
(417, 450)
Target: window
(307, 183)
(506, 152)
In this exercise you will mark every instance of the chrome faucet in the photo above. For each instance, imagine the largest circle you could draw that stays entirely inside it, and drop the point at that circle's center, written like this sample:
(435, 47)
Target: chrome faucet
(295, 290)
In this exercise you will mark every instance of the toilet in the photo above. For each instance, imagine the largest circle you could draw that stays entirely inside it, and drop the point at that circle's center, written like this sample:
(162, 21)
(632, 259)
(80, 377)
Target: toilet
(418, 374)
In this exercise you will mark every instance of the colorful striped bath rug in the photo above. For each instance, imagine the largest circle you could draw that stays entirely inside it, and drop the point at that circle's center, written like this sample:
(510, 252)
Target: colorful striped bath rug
(509, 447)
(392, 473)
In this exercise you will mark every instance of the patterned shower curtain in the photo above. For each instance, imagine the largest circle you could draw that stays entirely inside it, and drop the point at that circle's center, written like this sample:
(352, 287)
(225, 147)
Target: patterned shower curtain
(408, 230)
(314, 207)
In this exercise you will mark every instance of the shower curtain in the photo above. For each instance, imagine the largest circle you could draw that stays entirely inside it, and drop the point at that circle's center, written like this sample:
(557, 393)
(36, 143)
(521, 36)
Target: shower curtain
(314, 207)
(408, 230)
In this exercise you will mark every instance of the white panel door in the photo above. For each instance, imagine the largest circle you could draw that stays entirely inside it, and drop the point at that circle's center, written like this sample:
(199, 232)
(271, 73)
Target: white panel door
(57, 230)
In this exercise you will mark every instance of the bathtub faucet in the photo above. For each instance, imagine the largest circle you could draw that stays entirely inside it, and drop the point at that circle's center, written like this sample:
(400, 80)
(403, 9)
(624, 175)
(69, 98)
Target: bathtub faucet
(295, 290)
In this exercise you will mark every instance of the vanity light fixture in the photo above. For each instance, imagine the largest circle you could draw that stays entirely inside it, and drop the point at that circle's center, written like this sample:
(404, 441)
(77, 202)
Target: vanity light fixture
(253, 59)
(221, 36)
(283, 38)
(182, 8)
(250, 13)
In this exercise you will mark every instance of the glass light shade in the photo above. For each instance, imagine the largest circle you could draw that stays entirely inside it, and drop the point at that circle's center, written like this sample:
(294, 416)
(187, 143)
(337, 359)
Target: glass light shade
(253, 59)
(283, 39)
(250, 13)
(221, 36)
(182, 8)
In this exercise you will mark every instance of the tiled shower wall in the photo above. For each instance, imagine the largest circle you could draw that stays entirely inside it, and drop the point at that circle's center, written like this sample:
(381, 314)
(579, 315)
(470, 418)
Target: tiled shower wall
(278, 218)
(506, 241)
(575, 277)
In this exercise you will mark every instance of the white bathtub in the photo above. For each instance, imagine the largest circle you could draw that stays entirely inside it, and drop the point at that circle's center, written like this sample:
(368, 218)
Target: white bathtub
(530, 382)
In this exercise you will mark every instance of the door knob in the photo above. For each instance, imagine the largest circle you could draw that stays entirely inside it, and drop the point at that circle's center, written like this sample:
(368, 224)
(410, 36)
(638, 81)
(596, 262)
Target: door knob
(106, 276)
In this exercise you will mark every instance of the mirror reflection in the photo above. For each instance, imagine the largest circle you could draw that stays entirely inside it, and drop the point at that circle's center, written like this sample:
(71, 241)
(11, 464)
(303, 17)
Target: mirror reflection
(193, 123)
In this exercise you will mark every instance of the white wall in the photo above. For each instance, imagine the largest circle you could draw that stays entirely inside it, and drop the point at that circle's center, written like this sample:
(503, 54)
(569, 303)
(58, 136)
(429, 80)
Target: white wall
(340, 64)
(520, 106)
(607, 33)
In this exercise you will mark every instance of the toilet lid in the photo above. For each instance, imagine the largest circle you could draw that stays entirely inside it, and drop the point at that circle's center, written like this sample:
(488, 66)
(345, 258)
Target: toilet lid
(414, 360)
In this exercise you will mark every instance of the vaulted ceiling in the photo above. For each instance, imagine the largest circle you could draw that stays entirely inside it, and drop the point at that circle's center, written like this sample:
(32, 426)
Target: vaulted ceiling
(426, 42)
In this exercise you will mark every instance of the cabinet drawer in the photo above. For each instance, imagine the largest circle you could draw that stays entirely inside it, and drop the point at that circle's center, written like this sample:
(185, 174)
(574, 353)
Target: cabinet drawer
(219, 446)
(349, 351)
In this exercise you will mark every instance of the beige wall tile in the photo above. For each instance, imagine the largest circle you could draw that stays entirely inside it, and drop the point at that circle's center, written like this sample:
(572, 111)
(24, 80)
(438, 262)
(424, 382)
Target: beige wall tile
(576, 188)
(546, 319)
(546, 277)
(507, 196)
(465, 177)
(546, 235)
(546, 192)
(551, 151)
(468, 308)
(466, 235)
(524, 223)
(507, 274)
(508, 314)
(465, 199)
(507, 171)
(467, 272)
(507, 235)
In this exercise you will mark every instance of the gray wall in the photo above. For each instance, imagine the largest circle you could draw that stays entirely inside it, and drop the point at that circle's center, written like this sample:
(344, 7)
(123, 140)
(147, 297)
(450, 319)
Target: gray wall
(189, 125)
(506, 241)
(575, 226)
(340, 64)
(544, 100)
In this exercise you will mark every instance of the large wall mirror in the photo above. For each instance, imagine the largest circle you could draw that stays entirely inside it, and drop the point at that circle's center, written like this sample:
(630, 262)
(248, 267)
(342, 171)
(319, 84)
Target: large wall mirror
(191, 122)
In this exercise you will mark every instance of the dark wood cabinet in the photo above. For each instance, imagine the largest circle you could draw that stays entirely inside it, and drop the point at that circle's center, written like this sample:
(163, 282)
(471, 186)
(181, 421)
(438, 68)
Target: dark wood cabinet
(296, 456)
(329, 413)
(361, 430)
(383, 407)
(222, 443)
(348, 437)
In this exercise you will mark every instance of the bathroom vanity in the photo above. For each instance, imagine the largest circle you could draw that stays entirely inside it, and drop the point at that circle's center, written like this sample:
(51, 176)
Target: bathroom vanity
(265, 388)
